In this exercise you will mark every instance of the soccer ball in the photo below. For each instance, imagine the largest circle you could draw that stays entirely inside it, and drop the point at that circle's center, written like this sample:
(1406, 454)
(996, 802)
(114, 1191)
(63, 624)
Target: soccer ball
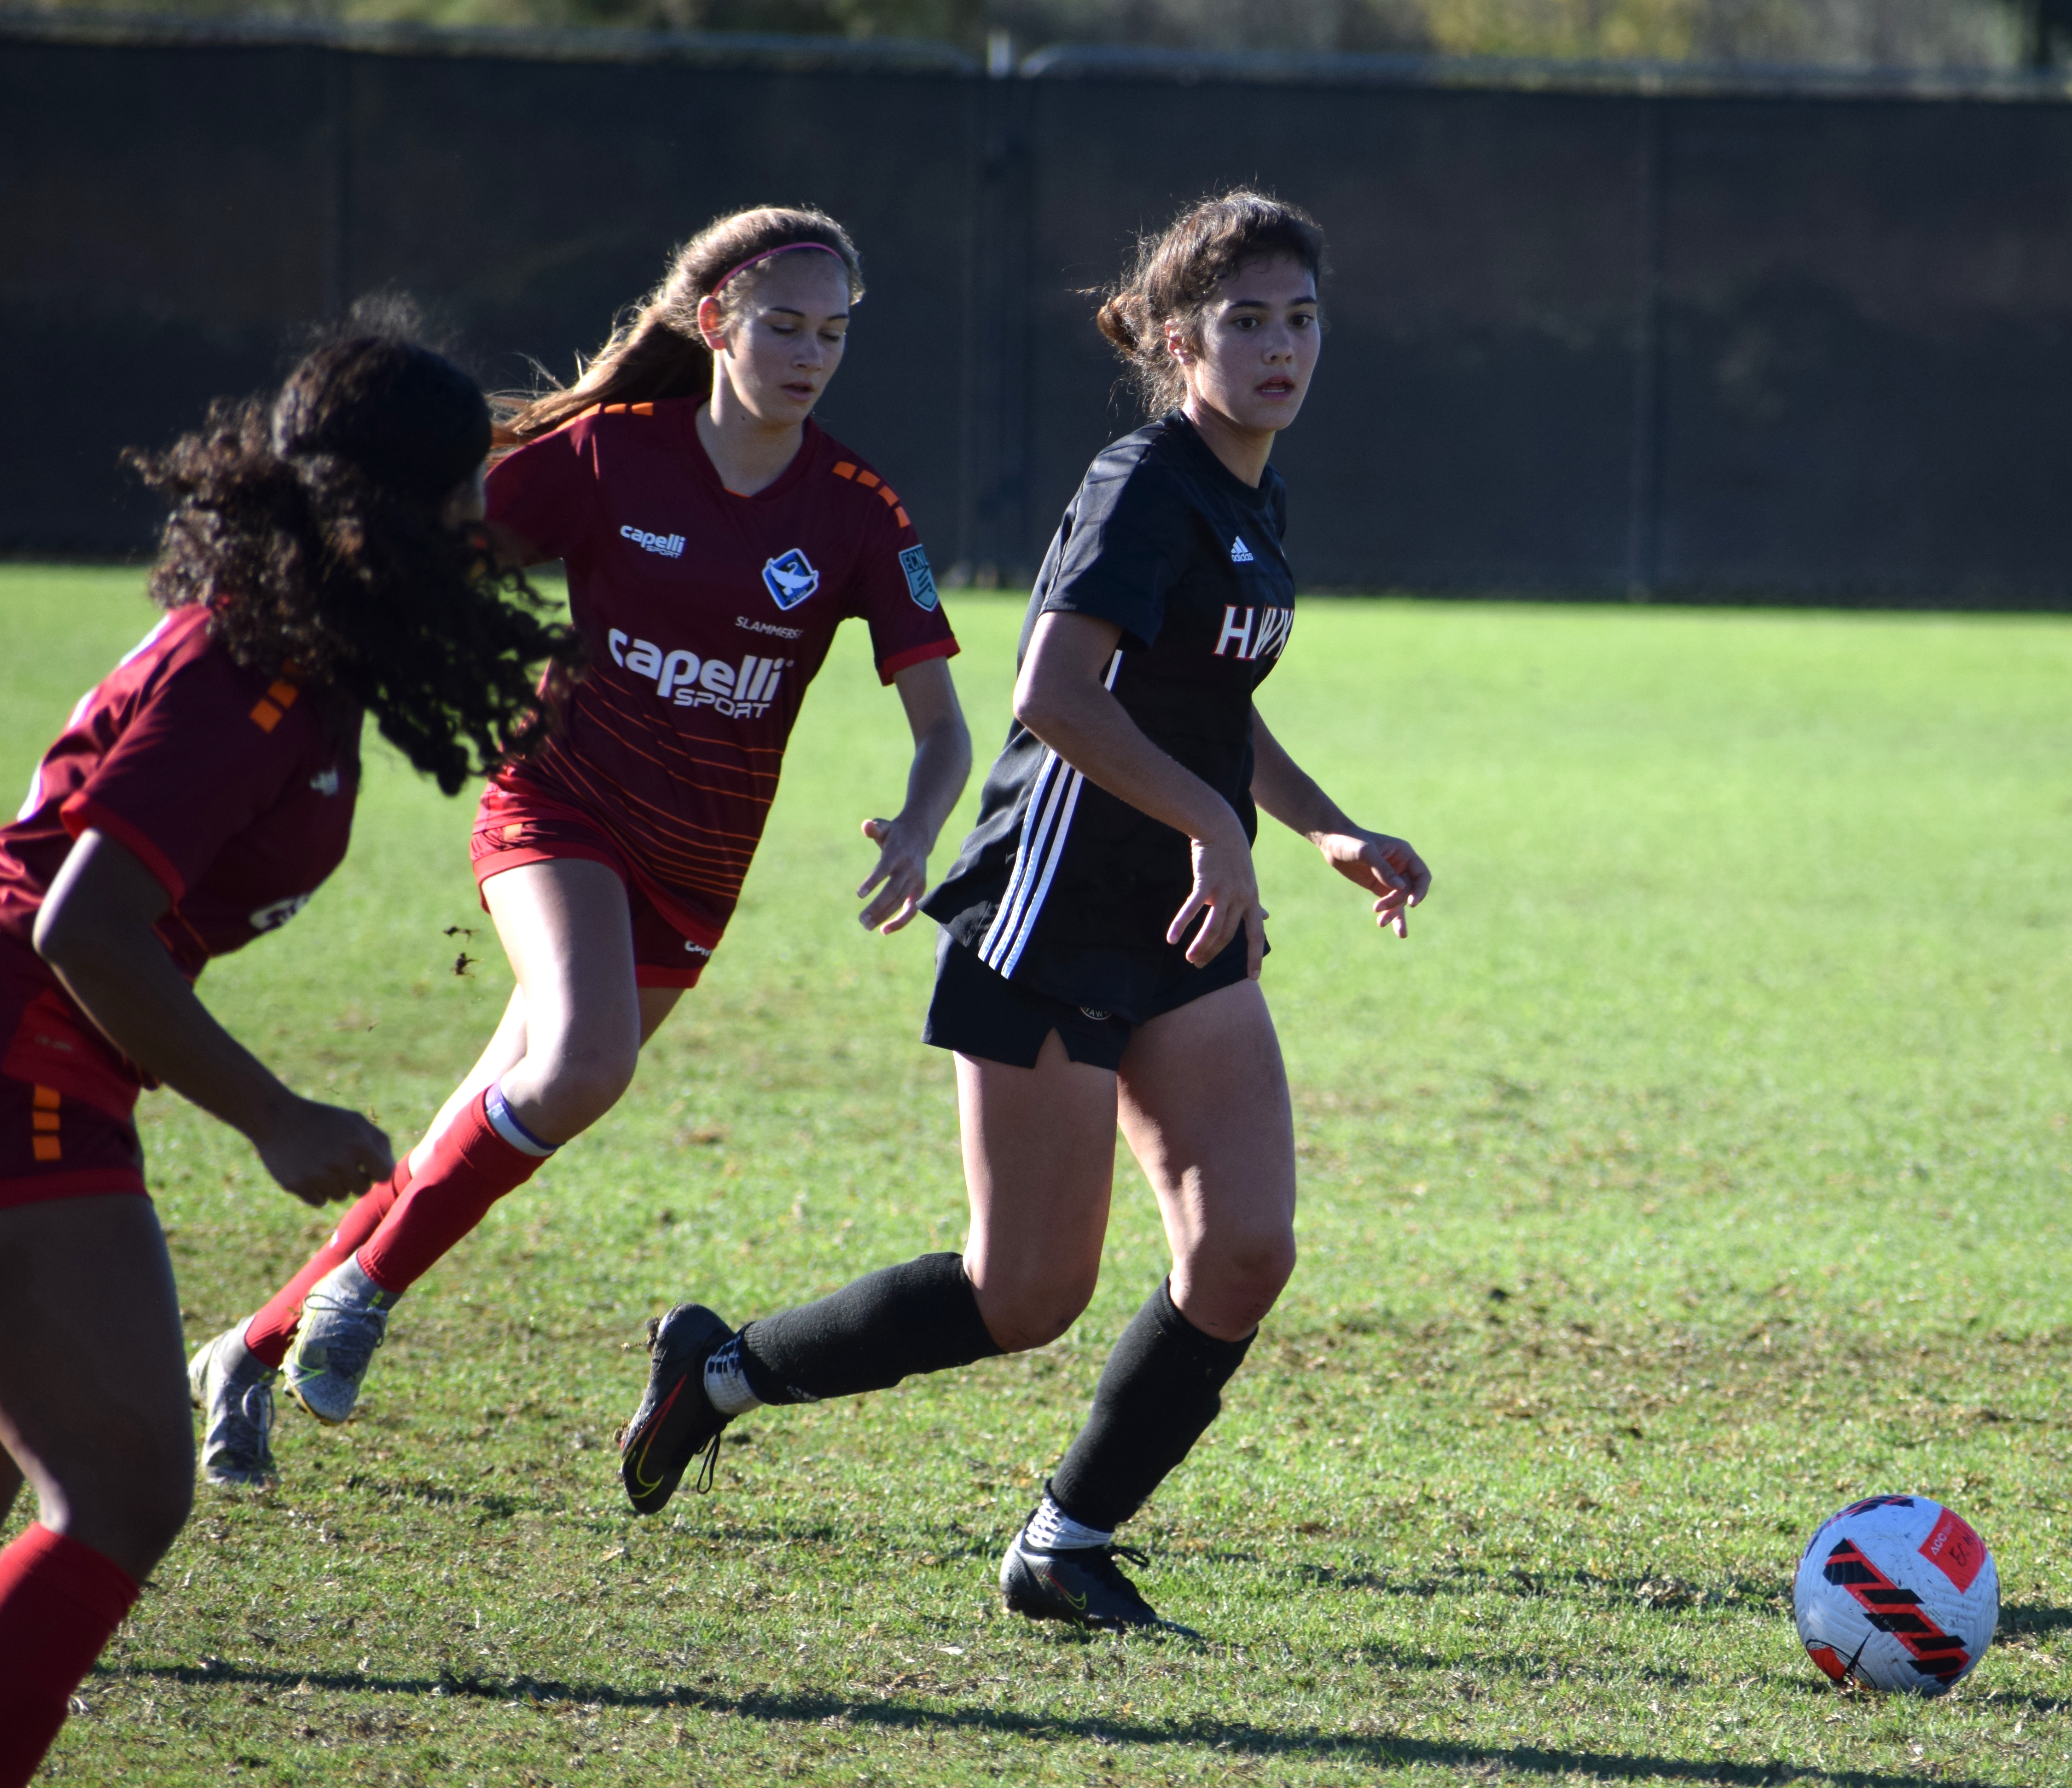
(1898, 1592)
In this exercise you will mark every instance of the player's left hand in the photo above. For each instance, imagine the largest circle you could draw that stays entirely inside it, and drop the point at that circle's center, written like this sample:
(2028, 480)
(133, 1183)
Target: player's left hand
(903, 868)
(1383, 867)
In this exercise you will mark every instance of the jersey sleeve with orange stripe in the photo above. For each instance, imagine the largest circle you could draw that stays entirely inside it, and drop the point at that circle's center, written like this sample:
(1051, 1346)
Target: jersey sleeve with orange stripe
(226, 784)
(894, 589)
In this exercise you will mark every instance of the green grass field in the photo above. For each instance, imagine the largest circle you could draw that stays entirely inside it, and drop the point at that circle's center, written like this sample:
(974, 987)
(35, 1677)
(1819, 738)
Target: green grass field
(1699, 1164)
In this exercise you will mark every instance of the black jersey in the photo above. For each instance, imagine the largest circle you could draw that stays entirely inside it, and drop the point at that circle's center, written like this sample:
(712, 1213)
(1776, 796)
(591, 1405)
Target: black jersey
(1062, 886)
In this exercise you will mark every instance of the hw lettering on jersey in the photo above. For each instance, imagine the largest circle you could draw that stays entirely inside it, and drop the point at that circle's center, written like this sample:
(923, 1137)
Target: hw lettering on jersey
(688, 681)
(670, 546)
(1252, 633)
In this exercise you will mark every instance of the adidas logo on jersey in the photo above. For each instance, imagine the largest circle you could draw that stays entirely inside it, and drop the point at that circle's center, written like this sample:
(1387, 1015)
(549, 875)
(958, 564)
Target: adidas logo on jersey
(687, 680)
(1240, 554)
(1250, 633)
(670, 546)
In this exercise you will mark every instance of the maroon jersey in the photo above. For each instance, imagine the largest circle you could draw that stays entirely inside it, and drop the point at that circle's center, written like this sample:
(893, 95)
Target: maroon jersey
(228, 784)
(703, 615)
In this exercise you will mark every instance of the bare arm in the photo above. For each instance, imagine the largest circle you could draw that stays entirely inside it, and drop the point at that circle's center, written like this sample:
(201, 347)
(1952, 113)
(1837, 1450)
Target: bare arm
(95, 929)
(1384, 866)
(1061, 698)
(941, 766)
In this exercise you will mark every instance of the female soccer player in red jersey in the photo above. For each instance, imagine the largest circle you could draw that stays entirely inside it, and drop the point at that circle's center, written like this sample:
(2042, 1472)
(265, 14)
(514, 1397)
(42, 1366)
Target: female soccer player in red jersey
(715, 536)
(1118, 819)
(322, 559)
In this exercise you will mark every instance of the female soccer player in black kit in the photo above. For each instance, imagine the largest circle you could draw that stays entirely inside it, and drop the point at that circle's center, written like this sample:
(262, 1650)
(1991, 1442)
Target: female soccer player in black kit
(1117, 821)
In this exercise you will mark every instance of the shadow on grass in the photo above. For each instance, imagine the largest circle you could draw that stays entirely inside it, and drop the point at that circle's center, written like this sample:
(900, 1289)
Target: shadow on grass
(1662, 1590)
(2031, 1620)
(1233, 1739)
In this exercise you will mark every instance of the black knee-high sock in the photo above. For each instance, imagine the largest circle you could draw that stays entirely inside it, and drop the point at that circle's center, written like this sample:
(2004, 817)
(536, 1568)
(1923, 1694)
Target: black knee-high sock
(922, 1316)
(1158, 1393)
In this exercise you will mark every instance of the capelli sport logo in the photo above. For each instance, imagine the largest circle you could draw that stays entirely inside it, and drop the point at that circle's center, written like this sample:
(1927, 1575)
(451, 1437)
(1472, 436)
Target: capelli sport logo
(669, 546)
(683, 679)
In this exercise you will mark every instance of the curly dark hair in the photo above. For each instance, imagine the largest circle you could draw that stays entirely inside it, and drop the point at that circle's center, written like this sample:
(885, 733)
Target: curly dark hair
(1174, 274)
(315, 526)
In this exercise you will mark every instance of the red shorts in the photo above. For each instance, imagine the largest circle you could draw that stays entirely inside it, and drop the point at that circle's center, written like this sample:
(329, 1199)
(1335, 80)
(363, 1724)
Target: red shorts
(517, 825)
(65, 1128)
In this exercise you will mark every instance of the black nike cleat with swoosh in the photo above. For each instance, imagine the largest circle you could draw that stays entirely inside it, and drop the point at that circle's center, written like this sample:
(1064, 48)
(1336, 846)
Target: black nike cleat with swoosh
(676, 1421)
(1080, 1584)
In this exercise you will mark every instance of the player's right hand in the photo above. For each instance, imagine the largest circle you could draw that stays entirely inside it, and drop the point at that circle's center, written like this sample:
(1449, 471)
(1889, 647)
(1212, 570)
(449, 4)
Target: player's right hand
(1226, 891)
(324, 1152)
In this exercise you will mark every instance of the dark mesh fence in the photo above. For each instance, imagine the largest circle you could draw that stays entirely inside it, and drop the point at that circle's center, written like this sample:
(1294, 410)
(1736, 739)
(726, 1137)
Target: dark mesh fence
(1788, 344)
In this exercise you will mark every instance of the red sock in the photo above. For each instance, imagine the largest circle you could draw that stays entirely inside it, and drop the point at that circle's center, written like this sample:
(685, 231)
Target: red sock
(470, 1168)
(271, 1331)
(60, 1602)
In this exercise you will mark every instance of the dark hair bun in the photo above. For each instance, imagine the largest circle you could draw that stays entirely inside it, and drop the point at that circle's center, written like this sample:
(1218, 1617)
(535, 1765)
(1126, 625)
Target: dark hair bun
(1114, 320)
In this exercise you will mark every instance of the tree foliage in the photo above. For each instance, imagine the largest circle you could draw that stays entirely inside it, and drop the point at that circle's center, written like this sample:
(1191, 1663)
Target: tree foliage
(1976, 34)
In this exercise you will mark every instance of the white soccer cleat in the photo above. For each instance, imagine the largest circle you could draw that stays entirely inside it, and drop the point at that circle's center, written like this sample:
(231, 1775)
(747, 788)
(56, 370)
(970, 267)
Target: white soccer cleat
(235, 1394)
(344, 1319)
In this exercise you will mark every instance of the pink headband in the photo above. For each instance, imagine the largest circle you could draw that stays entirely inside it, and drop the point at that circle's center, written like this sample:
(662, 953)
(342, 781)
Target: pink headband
(784, 248)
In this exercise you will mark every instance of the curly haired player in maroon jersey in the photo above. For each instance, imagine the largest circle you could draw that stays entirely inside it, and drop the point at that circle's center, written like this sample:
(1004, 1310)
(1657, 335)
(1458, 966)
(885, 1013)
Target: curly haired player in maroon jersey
(323, 560)
(715, 537)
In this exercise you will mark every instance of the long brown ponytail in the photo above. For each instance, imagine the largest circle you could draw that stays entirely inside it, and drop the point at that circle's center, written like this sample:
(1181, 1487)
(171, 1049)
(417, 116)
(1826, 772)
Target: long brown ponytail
(657, 352)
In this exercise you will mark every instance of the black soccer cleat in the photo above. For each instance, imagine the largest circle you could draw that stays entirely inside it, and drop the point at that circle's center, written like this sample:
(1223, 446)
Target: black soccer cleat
(676, 1421)
(1080, 1584)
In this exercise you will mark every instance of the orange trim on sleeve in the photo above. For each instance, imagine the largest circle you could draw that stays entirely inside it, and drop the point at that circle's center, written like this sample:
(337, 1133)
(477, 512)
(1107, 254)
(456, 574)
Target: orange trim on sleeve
(899, 515)
(869, 480)
(640, 409)
(43, 1120)
(44, 1098)
(283, 692)
(845, 468)
(916, 654)
(46, 1148)
(264, 715)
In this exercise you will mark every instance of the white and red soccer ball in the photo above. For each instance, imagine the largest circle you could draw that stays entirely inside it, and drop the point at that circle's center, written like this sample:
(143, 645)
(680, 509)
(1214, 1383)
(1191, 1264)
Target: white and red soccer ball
(1897, 1593)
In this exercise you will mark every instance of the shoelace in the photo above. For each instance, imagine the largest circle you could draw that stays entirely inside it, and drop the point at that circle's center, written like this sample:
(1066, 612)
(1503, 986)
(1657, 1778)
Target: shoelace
(1106, 1568)
(262, 1418)
(354, 1347)
(703, 1481)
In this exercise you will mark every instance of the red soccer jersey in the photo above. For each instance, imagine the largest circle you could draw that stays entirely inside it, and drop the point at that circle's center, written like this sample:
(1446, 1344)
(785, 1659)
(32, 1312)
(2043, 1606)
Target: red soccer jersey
(705, 615)
(228, 785)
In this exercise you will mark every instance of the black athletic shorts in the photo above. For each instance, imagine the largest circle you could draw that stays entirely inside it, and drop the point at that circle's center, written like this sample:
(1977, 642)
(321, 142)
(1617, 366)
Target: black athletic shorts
(978, 1012)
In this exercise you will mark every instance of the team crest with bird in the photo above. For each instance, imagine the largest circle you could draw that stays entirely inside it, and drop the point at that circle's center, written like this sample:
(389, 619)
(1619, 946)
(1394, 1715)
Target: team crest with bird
(790, 578)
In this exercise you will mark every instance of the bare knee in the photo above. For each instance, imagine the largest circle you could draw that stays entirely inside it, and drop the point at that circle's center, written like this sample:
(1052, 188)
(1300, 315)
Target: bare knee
(576, 1087)
(1029, 1317)
(1227, 1291)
